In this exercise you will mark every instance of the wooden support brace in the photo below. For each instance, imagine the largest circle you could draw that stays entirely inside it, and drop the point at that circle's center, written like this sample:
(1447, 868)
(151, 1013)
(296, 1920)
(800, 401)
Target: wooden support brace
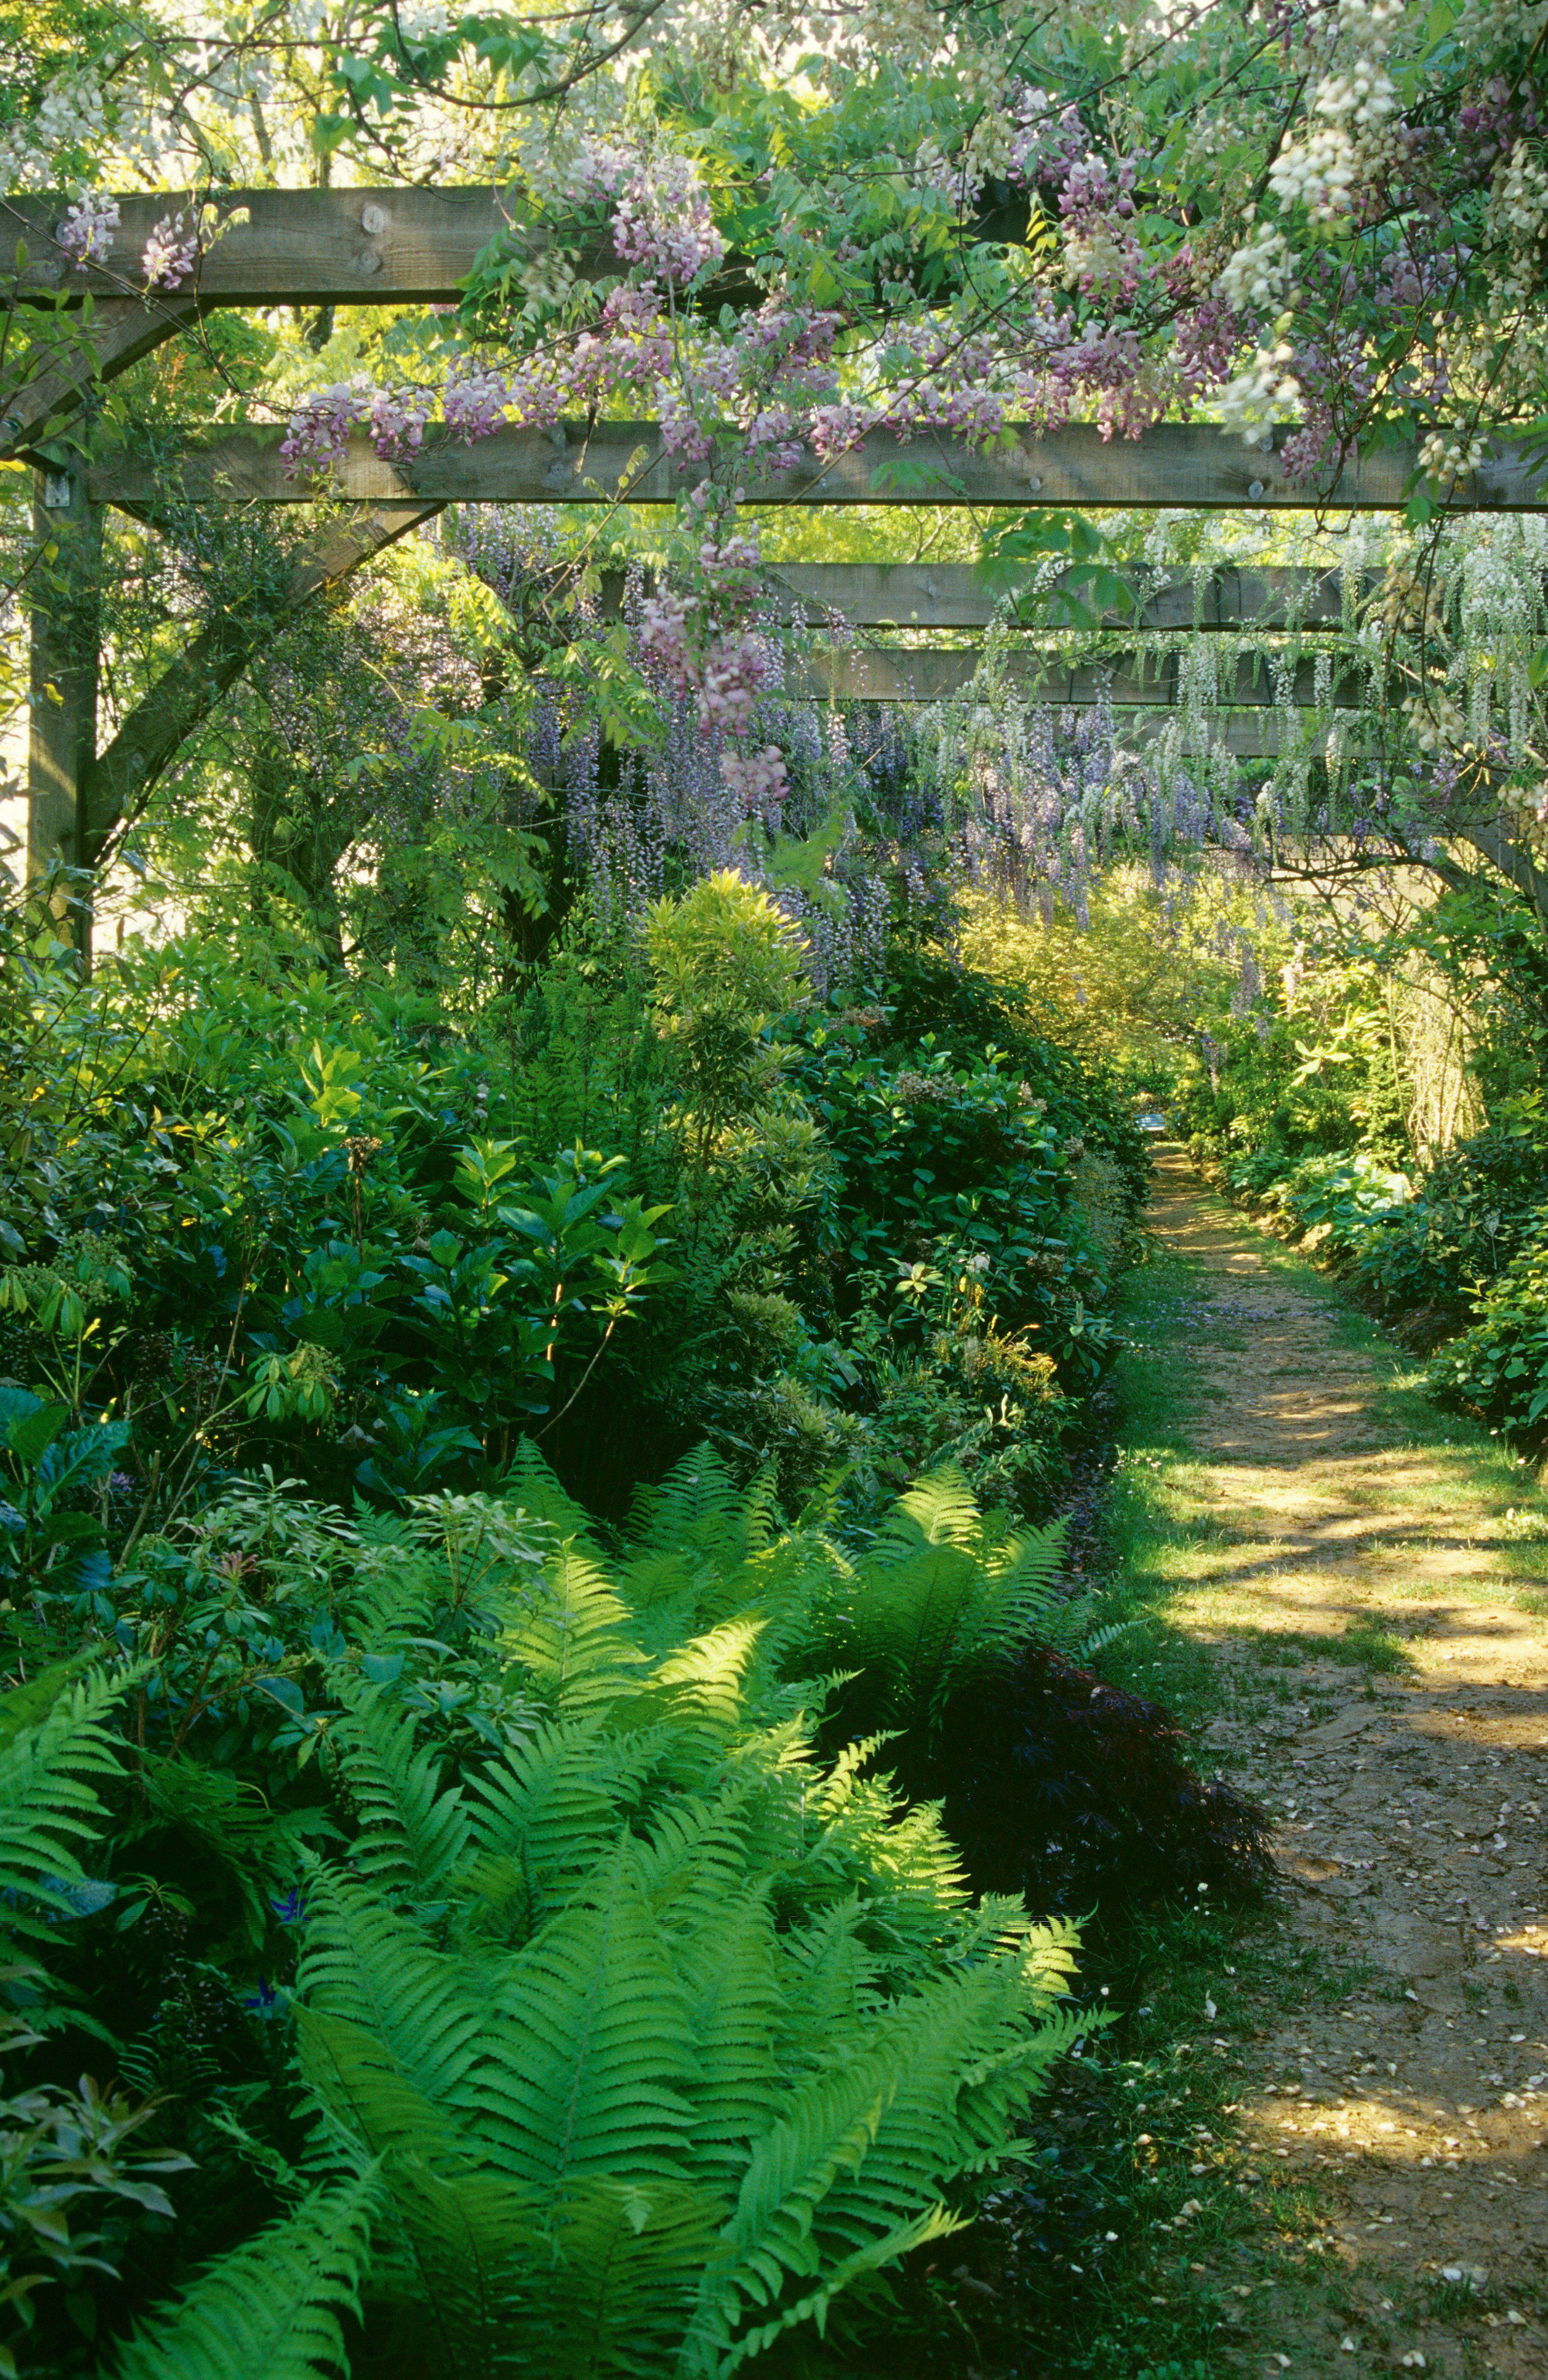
(62, 372)
(64, 587)
(152, 735)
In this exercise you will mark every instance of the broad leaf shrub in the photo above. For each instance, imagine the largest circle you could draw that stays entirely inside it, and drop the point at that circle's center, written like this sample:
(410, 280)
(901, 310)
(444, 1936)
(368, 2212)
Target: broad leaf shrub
(1499, 1365)
(1060, 1784)
(263, 1216)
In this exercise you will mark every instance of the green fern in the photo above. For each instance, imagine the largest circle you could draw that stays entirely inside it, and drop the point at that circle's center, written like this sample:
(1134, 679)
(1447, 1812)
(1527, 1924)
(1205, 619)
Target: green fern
(413, 1830)
(54, 1750)
(271, 2310)
(588, 2058)
(365, 1963)
(555, 1806)
(531, 1484)
(651, 2031)
(576, 1644)
(627, 2260)
(946, 1588)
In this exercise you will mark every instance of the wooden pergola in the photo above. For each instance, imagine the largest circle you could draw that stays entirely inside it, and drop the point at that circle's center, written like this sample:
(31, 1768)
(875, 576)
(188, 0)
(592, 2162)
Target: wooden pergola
(414, 245)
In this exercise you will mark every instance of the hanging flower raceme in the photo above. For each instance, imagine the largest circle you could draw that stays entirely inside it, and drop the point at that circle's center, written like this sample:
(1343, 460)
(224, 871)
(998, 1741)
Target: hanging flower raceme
(86, 233)
(170, 251)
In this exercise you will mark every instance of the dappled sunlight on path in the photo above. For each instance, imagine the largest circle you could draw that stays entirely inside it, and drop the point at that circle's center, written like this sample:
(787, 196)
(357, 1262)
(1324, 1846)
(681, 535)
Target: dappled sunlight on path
(1387, 1695)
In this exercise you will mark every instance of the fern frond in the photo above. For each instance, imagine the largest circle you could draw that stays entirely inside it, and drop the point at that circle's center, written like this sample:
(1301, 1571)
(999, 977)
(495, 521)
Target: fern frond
(413, 1830)
(49, 1772)
(1101, 1638)
(626, 2264)
(731, 1971)
(529, 1481)
(392, 1587)
(936, 2223)
(576, 1644)
(700, 1688)
(474, 2239)
(696, 1858)
(274, 2309)
(698, 1508)
(555, 1804)
(940, 1509)
(354, 2076)
(826, 1971)
(960, 2057)
(587, 2061)
(28, 1704)
(362, 1962)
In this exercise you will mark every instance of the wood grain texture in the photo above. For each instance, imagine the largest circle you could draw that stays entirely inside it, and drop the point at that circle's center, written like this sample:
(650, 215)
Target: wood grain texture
(1174, 467)
(62, 714)
(954, 595)
(294, 248)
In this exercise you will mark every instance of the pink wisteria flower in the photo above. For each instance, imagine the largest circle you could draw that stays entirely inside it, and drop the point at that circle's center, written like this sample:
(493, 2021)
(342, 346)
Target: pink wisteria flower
(169, 253)
(85, 234)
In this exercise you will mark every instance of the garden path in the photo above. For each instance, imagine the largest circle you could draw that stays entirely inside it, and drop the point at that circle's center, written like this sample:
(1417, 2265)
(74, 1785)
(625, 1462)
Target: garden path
(1407, 1766)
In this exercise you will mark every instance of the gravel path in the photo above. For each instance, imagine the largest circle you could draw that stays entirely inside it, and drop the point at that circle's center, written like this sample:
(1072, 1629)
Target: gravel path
(1412, 1836)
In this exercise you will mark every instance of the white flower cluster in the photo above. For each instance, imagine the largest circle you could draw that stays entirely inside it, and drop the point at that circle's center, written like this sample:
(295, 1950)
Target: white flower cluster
(71, 116)
(1447, 459)
(1365, 96)
(1317, 170)
(1518, 221)
(1436, 722)
(1256, 274)
(1370, 20)
(1254, 396)
(933, 174)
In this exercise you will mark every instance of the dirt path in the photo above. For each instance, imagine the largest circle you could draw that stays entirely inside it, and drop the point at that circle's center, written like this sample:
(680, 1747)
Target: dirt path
(1413, 1834)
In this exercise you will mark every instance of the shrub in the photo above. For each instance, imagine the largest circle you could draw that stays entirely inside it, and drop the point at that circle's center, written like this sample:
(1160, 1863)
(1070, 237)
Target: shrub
(1499, 1367)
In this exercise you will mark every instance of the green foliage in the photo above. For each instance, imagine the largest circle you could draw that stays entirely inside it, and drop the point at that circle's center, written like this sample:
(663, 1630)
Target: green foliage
(944, 1591)
(631, 2033)
(273, 2310)
(726, 964)
(1498, 1367)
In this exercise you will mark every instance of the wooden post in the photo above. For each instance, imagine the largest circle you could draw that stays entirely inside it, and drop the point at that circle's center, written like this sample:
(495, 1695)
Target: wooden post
(66, 588)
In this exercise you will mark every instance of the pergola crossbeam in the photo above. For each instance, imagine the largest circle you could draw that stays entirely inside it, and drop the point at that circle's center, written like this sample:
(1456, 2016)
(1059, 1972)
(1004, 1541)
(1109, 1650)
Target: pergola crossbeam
(405, 245)
(918, 595)
(414, 245)
(1177, 467)
(922, 674)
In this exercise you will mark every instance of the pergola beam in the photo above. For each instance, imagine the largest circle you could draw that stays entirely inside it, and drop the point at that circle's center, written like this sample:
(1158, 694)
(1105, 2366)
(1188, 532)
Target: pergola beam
(1177, 467)
(405, 246)
(920, 673)
(956, 595)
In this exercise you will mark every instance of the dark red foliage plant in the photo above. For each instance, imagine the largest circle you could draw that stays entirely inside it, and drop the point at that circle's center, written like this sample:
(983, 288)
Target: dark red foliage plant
(1076, 1793)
